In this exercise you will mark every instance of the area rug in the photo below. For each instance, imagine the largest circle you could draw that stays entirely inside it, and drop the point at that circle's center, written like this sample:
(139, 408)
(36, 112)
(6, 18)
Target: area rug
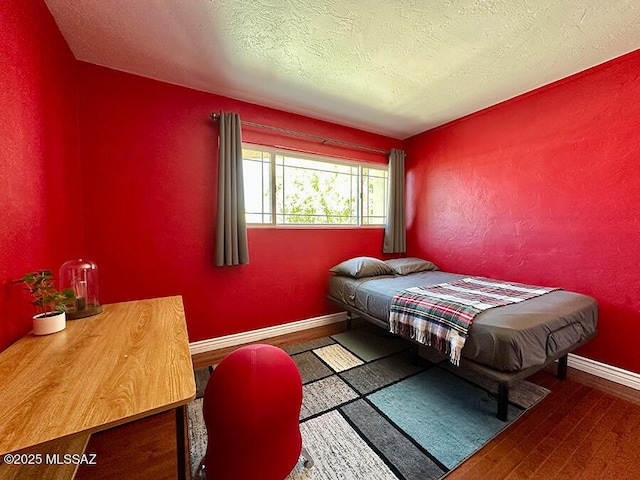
(372, 409)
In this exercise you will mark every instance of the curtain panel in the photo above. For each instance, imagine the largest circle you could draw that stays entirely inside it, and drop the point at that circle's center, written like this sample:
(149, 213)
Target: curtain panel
(231, 227)
(394, 232)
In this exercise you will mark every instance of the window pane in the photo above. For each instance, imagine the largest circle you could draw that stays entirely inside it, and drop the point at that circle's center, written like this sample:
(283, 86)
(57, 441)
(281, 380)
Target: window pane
(374, 188)
(315, 192)
(311, 191)
(256, 167)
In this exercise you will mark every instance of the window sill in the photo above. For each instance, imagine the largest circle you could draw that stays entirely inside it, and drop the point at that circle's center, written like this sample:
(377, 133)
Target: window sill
(315, 227)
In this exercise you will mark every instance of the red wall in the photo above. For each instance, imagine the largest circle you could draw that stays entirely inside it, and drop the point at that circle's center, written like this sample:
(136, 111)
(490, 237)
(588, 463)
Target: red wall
(149, 155)
(40, 222)
(544, 189)
(540, 189)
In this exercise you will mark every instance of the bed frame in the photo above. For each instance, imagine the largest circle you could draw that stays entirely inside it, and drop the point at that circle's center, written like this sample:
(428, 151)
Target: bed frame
(503, 379)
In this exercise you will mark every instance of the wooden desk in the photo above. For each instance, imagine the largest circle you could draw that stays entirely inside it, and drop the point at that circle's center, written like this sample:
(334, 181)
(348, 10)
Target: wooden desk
(128, 362)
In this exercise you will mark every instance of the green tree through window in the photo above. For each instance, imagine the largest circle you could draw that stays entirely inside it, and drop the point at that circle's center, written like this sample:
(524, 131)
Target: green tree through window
(311, 190)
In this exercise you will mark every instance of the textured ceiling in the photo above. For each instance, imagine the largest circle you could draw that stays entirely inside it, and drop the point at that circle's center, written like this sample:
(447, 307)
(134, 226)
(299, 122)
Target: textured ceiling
(395, 67)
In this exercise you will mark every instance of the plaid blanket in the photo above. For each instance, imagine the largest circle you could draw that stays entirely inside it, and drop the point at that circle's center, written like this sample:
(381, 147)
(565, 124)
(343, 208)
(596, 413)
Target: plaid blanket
(441, 315)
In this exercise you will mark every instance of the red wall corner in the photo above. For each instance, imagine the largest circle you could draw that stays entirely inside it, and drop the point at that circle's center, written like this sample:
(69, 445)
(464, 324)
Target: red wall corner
(40, 222)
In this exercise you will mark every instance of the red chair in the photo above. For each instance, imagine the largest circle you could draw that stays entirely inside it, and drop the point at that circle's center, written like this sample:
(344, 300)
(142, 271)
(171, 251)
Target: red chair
(251, 409)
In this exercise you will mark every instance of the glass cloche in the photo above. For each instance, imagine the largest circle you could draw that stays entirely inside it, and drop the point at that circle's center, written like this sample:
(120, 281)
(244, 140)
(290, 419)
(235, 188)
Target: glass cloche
(82, 277)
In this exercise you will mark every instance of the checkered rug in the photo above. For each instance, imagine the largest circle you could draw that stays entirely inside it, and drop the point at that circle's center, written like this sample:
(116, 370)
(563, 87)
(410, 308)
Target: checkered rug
(373, 410)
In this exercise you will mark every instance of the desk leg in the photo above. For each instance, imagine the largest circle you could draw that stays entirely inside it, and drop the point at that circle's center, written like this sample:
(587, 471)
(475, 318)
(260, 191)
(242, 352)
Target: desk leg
(180, 442)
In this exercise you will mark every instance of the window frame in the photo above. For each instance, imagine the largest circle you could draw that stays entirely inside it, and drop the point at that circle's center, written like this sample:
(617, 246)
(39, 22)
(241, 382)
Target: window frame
(274, 151)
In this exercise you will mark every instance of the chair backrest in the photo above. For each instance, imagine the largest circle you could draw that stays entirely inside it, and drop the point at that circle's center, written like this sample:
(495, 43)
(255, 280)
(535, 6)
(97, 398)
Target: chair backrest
(252, 412)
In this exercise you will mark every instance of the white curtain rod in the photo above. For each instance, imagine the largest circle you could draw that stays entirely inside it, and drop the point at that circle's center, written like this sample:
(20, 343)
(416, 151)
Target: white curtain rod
(324, 140)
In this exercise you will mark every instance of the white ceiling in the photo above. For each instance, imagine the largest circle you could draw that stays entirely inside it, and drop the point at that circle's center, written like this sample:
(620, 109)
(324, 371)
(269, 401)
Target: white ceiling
(395, 67)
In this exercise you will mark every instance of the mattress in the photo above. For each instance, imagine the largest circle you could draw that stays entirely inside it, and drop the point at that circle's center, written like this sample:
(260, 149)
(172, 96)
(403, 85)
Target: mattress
(508, 338)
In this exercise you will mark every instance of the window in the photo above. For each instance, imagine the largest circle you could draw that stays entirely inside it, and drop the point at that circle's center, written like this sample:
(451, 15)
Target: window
(288, 188)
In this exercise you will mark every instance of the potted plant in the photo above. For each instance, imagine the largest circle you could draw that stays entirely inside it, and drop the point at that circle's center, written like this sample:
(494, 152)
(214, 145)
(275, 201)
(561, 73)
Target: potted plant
(51, 303)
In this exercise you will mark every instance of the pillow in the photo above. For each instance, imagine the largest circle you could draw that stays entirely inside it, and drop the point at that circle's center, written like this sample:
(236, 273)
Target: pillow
(360, 267)
(404, 266)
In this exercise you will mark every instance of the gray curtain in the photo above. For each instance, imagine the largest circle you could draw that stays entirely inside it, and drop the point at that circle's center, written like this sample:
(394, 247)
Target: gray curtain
(231, 228)
(395, 240)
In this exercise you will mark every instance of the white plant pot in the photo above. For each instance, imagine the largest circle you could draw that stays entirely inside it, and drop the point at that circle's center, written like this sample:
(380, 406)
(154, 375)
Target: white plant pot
(43, 325)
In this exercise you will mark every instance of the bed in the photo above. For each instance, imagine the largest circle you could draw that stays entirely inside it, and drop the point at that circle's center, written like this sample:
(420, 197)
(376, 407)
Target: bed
(505, 343)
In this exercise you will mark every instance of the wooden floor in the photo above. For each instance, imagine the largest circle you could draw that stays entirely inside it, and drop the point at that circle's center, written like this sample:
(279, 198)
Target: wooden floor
(586, 428)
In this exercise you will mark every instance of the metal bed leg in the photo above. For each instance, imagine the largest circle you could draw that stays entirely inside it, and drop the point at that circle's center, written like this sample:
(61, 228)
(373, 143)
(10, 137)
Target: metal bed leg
(503, 401)
(562, 367)
(349, 320)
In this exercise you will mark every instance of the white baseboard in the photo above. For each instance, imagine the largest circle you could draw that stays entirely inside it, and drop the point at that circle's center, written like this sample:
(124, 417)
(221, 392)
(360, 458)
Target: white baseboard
(602, 370)
(262, 333)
